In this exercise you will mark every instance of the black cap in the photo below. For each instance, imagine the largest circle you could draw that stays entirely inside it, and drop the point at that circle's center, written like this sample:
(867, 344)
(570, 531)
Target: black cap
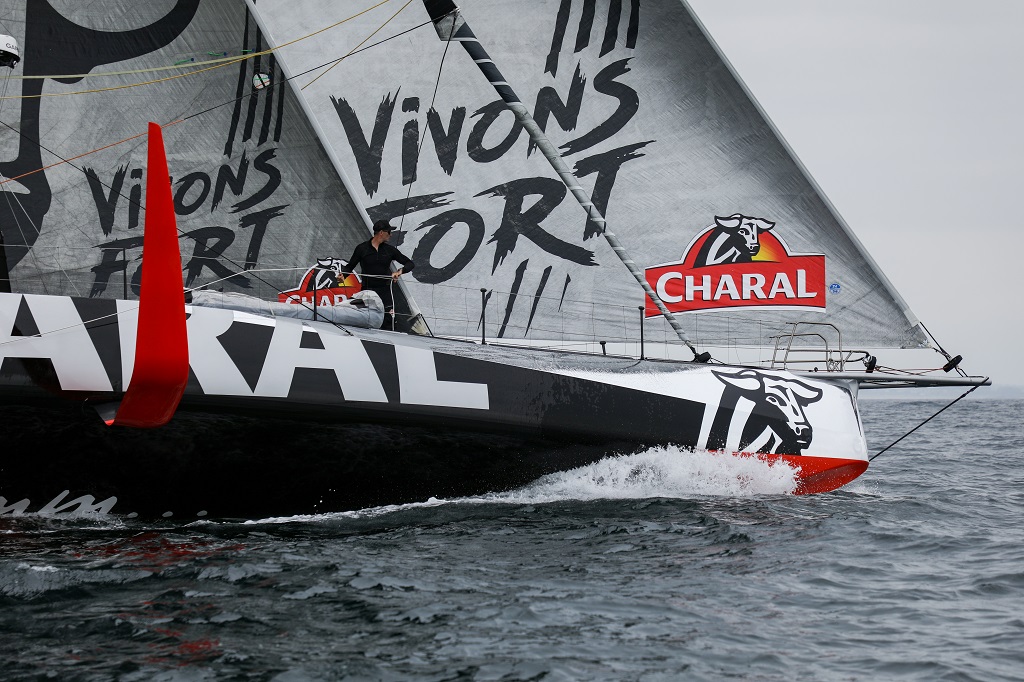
(382, 226)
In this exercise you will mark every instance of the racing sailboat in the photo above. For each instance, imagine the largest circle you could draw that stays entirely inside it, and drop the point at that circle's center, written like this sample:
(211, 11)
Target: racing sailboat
(526, 353)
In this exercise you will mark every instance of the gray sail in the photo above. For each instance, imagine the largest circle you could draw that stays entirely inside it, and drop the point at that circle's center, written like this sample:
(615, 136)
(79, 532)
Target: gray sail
(257, 199)
(678, 157)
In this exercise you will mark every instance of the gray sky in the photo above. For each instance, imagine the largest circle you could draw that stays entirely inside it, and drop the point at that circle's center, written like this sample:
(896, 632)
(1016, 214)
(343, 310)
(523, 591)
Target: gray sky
(910, 115)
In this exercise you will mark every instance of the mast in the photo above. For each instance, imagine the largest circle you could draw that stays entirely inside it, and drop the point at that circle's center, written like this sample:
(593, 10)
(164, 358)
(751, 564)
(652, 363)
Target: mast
(451, 26)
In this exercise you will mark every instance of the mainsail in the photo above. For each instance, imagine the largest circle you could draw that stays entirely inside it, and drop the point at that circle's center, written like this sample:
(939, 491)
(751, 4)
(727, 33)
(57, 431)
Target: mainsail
(257, 199)
(650, 117)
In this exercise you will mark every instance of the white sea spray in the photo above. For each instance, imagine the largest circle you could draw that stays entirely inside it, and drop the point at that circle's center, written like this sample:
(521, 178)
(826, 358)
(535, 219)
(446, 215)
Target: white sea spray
(662, 471)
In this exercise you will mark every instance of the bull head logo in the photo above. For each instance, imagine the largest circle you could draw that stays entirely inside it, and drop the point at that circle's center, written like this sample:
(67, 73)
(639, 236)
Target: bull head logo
(777, 423)
(734, 239)
(323, 278)
(329, 269)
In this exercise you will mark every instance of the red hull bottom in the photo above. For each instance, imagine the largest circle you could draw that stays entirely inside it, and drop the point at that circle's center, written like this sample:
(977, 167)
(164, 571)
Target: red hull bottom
(820, 474)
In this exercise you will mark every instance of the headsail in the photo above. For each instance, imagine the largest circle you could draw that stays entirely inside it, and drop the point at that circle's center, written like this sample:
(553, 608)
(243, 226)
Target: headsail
(650, 117)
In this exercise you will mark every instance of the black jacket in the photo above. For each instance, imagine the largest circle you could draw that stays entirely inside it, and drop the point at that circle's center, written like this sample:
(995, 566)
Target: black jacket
(375, 262)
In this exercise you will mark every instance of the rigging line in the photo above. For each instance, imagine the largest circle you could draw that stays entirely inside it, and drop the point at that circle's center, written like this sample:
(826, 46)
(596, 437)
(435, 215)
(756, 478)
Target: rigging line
(202, 63)
(233, 60)
(303, 73)
(224, 279)
(964, 395)
(129, 72)
(73, 158)
(241, 268)
(30, 249)
(380, 28)
(190, 116)
(423, 136)
(108, 316)
(959, 370)
(938, 345)
(84, 323)
(242, 271)
(8, 28)
(68, 275)
(17, 220)
(512, 101)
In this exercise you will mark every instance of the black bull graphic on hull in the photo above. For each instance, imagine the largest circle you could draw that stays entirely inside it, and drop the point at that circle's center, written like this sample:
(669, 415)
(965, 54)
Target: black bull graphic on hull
(777, 423)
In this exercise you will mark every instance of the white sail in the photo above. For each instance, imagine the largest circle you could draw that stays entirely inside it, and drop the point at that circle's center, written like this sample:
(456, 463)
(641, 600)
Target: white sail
(271, 176)
(653, 121)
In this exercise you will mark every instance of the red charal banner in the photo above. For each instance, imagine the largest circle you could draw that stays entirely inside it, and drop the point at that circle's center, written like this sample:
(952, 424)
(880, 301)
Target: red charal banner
(738, 263)
(329, 290)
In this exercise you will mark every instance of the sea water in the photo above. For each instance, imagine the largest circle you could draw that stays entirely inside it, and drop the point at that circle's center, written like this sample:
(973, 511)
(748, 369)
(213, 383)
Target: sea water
(657, 565)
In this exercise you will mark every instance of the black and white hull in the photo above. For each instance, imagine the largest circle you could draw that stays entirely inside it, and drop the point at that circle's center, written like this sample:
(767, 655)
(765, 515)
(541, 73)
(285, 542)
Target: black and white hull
(284, 416)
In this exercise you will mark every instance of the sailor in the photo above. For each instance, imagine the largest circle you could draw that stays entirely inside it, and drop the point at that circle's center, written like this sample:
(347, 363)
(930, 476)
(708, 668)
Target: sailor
(375, 257)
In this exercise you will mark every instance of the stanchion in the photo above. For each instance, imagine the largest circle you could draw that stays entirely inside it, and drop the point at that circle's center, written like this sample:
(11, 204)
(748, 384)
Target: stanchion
(483, 316)
(641, 309)
(313, 277)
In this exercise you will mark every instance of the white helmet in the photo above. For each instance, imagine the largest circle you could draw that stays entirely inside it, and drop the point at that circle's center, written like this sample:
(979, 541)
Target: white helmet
(9, 55)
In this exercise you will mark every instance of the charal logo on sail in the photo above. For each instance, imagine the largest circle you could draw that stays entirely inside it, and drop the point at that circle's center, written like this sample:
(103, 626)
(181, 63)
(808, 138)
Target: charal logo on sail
(323, 279)
(739, 262)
